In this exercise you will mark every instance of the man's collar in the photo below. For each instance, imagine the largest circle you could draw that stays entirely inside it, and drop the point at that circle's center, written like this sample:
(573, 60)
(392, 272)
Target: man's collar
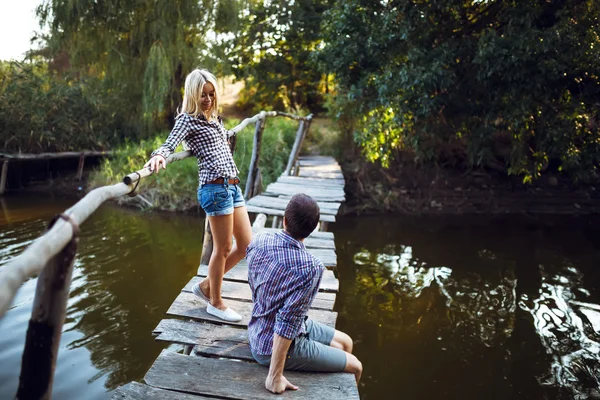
(288, 238)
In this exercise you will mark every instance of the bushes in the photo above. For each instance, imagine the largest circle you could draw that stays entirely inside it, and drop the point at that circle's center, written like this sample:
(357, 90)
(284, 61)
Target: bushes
(175, 188)
(40, 112)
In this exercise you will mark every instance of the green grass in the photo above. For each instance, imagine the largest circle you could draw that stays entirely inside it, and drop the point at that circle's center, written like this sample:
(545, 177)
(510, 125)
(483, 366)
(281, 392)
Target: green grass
(175, 188)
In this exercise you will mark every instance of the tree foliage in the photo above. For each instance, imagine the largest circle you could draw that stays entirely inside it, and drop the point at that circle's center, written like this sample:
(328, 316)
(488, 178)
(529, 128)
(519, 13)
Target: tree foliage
(141, 49)
(510, 85)
(41, 112)
(269, 45)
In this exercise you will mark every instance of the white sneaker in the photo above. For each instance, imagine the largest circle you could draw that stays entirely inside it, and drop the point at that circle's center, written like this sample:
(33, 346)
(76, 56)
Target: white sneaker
(226, 315)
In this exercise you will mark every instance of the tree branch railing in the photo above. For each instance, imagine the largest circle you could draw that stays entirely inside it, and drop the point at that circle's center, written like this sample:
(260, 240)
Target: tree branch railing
(51, 257)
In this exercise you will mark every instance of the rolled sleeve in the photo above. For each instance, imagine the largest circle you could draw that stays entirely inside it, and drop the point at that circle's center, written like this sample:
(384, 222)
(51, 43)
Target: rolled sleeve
(288, 323)
(177, 135)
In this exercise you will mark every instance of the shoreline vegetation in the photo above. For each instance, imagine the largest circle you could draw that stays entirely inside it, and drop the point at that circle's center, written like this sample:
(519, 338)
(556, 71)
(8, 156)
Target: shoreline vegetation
(174, 189)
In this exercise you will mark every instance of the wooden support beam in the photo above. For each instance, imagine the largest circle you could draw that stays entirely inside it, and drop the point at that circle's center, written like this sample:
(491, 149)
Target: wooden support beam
(3, 177)
(207, 243)
(253, 171)
(80, 167)
(45, 325)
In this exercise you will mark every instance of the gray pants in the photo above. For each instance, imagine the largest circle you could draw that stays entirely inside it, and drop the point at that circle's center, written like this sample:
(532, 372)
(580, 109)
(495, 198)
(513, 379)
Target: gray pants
(311, 351)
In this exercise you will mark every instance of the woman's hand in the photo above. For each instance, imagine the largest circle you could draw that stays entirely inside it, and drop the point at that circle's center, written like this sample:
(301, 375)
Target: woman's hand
(155, 163)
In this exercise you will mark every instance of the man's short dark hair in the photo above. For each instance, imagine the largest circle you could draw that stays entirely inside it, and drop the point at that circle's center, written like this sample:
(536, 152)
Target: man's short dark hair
(301, 216)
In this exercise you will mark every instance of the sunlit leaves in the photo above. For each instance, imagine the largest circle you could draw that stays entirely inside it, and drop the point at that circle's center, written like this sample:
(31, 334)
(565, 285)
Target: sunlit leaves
(515, 83)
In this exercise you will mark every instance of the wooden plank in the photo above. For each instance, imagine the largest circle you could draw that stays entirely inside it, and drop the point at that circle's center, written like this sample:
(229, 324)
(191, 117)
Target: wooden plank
(208, 339)
(311, 242)
(241, 291)
(139, 391)
(188, 305)
(314, 235)
(311, 181)
(313, 173)
(280, 213)
(240, 380)
(277, 189)
(299, 188)
(239, 273)
(281, 204)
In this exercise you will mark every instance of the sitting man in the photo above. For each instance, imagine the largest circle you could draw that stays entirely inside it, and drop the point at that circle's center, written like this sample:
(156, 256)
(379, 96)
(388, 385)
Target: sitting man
(285, 279)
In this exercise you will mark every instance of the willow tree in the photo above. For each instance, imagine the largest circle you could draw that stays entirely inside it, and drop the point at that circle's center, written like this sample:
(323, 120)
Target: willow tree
(512, 85)
(140, 50)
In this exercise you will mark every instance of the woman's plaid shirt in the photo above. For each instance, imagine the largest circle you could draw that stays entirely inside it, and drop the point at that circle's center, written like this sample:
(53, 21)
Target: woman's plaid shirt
(208, 141)
(284, 279)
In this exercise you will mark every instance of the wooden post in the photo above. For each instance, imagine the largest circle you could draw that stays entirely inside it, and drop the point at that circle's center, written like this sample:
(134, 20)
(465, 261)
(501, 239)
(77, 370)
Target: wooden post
(253, 171)
(3, 177)
(232, 143)
(324, 226)
(274, 222)
(257, 189)
(207, 244)
(260, 221)
(45, 325)
(295, 147)
(80, 167)
(304, 133)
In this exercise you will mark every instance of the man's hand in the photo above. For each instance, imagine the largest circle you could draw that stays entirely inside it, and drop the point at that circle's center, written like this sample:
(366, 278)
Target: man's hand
(278, 384)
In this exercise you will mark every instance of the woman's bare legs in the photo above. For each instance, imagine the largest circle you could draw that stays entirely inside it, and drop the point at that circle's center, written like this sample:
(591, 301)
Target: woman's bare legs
(242, 231)
(222, 230)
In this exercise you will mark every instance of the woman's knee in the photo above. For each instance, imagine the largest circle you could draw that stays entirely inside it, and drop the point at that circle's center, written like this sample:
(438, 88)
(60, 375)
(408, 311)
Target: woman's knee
(222, 249)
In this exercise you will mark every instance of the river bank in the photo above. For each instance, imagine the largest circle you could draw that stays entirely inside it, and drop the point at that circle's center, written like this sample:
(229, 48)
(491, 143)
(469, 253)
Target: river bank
(414, 189)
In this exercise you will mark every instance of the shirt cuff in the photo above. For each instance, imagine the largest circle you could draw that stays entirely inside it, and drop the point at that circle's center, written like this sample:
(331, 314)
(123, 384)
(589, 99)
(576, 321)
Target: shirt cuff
(289, 329)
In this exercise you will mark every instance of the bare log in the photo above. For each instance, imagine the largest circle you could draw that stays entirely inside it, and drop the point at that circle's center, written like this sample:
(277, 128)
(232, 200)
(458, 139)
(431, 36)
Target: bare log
(3, 177)
(253, 170)
(45, 325)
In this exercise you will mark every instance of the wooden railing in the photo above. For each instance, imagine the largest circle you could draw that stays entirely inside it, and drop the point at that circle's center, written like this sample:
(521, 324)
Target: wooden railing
(52, 256)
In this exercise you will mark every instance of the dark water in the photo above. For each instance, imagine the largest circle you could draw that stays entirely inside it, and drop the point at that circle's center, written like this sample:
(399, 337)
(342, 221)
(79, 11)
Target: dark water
(467, 308)
(129, 269)
(472, 308)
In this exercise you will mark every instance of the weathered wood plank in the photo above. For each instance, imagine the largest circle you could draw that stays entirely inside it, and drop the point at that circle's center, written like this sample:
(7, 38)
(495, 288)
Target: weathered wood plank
(189, 306)
(208, 339)
(311, 181)
(314, 235)
(314, 173)
(331, 191)
(139, 391)
(281, 204)
(239, 273)
(240, 380)
(280, 213)
(241, 291)
(318, 194)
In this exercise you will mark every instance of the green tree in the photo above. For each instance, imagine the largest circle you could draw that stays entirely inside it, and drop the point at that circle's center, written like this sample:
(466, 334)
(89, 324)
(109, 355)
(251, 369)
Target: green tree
(140, 50)
(509, 85)
(270, 46)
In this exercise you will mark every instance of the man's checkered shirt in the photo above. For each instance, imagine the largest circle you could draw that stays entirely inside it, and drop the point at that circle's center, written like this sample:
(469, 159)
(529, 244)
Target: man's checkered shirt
(284, 279)
(208, 141)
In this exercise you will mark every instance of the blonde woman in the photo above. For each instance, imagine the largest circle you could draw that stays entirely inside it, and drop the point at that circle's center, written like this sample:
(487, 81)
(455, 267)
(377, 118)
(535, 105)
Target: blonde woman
(219, 193)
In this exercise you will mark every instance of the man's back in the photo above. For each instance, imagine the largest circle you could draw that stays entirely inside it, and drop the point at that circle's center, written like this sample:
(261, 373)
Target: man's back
(284, 279)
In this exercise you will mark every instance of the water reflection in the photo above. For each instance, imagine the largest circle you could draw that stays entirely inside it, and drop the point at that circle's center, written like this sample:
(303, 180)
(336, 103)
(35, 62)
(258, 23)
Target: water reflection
(129, 268)
(471, 309)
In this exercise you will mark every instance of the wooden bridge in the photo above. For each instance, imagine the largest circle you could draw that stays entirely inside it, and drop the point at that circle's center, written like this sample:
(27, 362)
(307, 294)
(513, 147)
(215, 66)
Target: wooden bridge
(219, 361)
(216, 361)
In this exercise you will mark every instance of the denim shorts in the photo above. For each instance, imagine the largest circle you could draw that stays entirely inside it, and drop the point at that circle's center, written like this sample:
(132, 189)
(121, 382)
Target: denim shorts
(311, 351)
(220, 198)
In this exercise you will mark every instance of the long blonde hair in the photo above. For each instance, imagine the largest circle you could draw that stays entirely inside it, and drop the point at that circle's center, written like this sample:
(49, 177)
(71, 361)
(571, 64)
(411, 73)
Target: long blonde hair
(192, 94)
